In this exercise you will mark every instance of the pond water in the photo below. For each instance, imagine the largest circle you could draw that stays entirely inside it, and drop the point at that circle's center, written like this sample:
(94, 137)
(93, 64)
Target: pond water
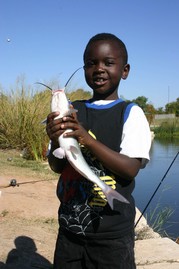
(162, 154)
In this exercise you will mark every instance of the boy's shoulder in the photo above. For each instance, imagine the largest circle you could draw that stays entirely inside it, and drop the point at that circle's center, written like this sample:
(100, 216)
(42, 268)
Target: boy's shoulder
(128, 108)
(124, 105)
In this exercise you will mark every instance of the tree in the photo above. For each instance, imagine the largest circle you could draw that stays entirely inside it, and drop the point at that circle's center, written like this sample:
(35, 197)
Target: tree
(148, 109)
(150, 112)
(79, 94)
(141, 101)
(160, 110)
(173, 108)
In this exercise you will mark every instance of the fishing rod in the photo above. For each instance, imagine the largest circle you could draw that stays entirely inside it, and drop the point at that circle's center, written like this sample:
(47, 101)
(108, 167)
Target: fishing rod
(14, 183)
(156, 189)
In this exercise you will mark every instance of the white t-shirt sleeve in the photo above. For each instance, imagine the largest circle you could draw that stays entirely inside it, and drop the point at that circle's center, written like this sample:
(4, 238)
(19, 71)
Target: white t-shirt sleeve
(136, 137)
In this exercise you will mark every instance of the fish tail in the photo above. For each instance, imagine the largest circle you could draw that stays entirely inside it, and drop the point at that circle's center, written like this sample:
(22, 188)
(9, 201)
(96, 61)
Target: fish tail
(113, 194)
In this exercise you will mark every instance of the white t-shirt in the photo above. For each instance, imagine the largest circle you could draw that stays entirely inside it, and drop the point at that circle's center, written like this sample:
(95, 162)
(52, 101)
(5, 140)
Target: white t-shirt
(136, 136)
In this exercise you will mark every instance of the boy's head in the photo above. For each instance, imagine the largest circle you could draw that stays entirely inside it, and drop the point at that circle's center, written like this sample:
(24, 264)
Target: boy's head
(105, 63)
(111, 37)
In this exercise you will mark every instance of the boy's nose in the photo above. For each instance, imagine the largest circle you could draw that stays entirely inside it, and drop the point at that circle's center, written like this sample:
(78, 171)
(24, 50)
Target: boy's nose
(100, 68)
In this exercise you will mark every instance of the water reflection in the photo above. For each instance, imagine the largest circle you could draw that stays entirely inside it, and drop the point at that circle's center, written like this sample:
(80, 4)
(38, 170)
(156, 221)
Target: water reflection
(162, 154)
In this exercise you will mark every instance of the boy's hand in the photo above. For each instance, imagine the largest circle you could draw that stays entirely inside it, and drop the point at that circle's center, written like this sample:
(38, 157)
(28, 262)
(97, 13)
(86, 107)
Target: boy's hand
(77, 132)
(53, 127)
(56, 127)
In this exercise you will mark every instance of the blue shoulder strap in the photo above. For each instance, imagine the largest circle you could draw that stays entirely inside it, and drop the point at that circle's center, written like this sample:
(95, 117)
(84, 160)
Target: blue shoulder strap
(127, 110)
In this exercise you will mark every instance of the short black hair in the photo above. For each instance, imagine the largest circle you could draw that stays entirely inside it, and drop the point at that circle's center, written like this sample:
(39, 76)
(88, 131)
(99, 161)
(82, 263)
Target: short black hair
(112, 37)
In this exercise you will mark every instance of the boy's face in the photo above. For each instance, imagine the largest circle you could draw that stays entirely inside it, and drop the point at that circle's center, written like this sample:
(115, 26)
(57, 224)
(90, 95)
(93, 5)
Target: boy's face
(104, 68)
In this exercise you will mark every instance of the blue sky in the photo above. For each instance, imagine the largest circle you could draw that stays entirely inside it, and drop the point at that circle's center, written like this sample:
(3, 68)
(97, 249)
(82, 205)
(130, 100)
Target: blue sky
(48, 38)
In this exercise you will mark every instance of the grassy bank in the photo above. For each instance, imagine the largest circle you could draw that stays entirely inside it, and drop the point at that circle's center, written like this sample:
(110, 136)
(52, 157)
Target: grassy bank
(168, 129)
(21, 113)
(12, 161)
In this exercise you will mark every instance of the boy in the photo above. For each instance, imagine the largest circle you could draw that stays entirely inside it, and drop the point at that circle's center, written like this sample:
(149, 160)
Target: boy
(115, 141)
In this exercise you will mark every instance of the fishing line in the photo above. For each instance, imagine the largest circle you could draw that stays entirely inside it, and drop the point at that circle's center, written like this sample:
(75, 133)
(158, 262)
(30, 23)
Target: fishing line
(156, 189)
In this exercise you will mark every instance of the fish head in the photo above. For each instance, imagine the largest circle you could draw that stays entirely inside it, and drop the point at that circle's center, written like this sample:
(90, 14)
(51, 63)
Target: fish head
(60, 102)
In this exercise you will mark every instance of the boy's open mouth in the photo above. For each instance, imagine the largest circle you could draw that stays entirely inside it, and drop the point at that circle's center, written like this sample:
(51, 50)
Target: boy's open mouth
(100, 81)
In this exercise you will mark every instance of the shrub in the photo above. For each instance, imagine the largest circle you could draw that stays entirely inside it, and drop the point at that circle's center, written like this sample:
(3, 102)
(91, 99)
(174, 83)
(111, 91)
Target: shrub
(21, 115)
(167, 130)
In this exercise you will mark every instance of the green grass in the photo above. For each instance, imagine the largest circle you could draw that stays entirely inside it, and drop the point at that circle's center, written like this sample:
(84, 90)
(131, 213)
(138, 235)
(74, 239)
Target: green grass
(159, 217)
(167, 129)
(12, 162)
(21, 114)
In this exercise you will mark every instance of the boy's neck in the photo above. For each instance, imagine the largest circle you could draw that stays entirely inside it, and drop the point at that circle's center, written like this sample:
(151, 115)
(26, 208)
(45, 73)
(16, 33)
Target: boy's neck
(97, 97)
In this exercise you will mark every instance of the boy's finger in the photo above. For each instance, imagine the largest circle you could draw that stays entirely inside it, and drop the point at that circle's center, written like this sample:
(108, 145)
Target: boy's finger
(52, 116)
(74, 113)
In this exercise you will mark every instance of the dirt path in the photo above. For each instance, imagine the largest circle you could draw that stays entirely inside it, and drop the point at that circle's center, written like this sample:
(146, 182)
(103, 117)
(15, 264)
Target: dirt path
(28, 216)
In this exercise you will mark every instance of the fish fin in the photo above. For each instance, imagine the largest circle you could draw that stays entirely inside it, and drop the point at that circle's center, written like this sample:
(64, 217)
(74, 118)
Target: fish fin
(73, 110)
(74, 151)
(69, 112)
(44, 121)
(59, 153)
(113, 194)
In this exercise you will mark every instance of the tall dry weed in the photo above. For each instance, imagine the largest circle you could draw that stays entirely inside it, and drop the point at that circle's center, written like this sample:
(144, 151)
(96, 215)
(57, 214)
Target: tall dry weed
(21, 113)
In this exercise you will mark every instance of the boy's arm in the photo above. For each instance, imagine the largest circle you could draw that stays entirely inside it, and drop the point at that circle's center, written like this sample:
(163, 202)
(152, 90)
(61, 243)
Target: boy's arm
(118, 163)
(135, 146)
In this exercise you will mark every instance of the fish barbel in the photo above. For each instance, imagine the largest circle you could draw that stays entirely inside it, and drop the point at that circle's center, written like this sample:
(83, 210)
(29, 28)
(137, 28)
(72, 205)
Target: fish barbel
(70, 149)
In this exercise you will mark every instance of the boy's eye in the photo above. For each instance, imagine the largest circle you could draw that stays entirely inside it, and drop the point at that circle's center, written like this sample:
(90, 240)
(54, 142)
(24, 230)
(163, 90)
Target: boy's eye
(109, 63)
(106, 62)
(89, 64)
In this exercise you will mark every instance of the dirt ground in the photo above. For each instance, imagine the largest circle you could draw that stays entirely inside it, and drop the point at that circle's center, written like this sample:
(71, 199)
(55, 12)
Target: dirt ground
(28, 213)
(28, 216)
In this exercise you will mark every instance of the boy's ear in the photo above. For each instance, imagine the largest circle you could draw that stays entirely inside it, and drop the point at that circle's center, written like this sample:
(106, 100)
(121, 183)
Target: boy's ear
(126, 70)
